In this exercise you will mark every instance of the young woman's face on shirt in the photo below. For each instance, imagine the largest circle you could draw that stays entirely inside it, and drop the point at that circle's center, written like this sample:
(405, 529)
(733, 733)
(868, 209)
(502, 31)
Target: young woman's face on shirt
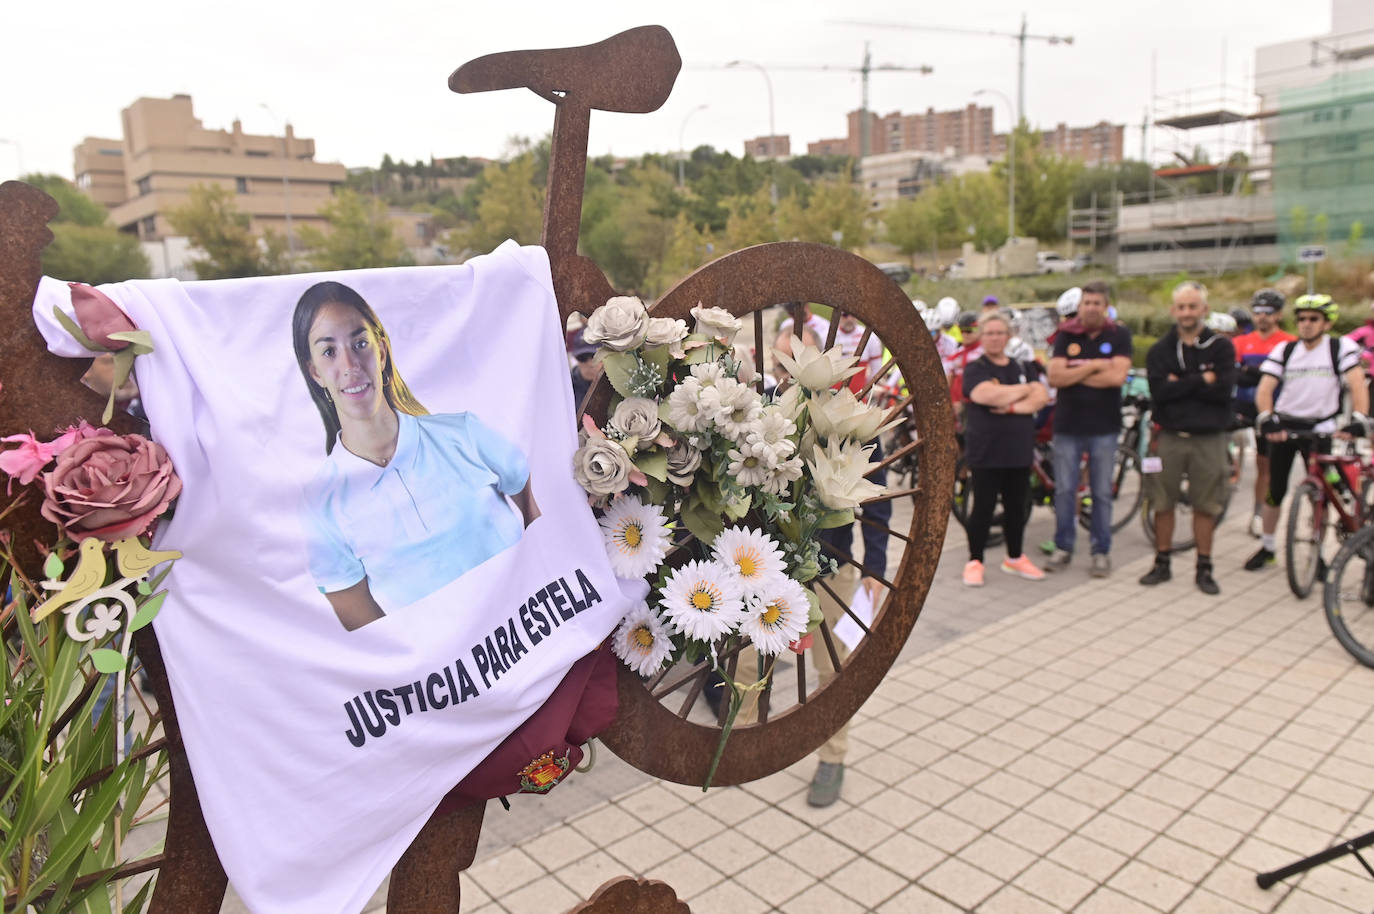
(346, 360)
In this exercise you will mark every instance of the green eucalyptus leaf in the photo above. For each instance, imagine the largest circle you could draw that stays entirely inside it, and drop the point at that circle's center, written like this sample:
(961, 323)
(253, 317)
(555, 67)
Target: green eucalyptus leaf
(140, 341)
(618, 366)
(52, 566)
(841, 518)
(704, 523)
(146, 613)
(658, 356)
(107, 661)
(75, 330)
(653, 463)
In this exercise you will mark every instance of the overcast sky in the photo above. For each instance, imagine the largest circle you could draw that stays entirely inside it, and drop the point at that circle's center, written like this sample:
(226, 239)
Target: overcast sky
(367, 79)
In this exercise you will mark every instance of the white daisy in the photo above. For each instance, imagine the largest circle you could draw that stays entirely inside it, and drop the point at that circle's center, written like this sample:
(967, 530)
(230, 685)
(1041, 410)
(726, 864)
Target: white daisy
(738, 408)
(692, 408)
(776, 618)
(751, 464)
(783, 475)
(754, 557)
(642, 640)
(708, 373)
(636, 536)
(703, 600)
(775, 430)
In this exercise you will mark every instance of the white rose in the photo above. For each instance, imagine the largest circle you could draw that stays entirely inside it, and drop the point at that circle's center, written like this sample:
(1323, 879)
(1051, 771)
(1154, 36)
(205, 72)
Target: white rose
(620, 324)
(602, 467)
(683, 461)
(637, 417)
(666, 331)
(716, 323)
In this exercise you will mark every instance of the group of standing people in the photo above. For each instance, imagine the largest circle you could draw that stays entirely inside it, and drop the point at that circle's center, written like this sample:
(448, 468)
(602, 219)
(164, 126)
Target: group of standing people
(1292, 389)
(1089, 361)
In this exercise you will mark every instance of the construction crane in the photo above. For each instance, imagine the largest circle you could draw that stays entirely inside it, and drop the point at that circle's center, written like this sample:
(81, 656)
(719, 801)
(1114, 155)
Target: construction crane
(1021, 38)
(863, 70)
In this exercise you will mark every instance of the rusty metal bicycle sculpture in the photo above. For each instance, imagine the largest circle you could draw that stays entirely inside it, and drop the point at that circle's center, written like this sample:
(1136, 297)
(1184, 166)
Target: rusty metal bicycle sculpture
(630, 72)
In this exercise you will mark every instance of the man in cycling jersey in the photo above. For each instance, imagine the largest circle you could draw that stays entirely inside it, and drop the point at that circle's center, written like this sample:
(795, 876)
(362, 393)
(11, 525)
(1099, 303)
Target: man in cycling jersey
(1251, 350)
(1313, 371)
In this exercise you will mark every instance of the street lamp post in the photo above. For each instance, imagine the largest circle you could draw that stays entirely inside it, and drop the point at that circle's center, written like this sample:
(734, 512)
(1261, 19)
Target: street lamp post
(18, 155)
(772, 130)
(285, 182)
(681, 140)
(1011, 162)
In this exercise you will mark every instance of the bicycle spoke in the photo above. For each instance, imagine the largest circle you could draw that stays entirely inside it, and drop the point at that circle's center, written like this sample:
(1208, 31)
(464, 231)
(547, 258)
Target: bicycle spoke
(758, 348)
(848, 560)
(885, 528)
(890, 496)
(847, 611)
(894, 457)
(830, 334)
(887, 366)
(863, 341)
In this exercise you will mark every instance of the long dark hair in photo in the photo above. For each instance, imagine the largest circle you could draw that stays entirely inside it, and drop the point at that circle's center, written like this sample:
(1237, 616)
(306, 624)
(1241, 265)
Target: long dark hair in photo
(394, 389)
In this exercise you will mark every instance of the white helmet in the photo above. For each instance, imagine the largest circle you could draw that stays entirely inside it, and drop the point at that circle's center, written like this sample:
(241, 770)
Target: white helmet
(1221, 322)
(948, 310)
(920, 305)
(932, 318)
(1019, 350)
(1067, 306)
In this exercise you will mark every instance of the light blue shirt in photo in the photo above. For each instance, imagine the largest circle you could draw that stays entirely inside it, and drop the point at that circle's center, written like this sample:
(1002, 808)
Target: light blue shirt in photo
(436, 510)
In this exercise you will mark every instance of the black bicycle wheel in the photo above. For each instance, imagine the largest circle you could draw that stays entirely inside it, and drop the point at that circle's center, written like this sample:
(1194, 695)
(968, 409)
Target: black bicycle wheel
(1183, 519)
(1306, 532)
(1348, 597)
(1127, 491)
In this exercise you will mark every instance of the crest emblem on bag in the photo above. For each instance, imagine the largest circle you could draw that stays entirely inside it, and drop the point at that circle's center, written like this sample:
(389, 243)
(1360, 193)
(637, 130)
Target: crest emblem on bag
(540, 775)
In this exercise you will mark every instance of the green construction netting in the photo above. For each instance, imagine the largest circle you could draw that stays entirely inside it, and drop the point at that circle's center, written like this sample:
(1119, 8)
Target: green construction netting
(1323, 145)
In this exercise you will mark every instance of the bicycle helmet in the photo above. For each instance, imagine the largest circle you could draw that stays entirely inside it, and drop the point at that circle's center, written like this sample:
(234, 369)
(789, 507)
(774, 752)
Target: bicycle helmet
(948, 310)
(1067, 306)
(966, 319)
(932, 318)
(1320, 303)
(1270, 300)
(1221, 322)
(1245, 322)
(1020, 350)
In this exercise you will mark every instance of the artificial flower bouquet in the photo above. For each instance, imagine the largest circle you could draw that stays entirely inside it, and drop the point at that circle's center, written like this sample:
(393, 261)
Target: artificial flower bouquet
(714, 491)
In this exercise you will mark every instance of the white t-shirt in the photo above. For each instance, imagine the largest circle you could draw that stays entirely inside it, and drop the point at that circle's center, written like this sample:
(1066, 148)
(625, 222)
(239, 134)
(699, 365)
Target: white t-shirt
(817, 325)
(1311, 386)
(872, 358)
(315, 757)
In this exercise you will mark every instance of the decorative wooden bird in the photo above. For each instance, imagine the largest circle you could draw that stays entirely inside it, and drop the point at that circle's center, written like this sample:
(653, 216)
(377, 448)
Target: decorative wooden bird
(135, 559)
(88, 577)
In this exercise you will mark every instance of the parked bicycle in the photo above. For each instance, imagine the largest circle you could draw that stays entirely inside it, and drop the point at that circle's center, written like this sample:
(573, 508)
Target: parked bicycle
(1348, 595)
(1330, 504)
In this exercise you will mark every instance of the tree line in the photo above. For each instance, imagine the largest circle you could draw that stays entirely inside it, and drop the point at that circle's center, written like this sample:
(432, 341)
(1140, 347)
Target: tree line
(646, 221)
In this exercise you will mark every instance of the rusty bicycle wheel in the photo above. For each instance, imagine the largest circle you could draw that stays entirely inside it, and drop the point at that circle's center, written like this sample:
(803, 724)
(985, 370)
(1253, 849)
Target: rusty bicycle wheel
(653, 732)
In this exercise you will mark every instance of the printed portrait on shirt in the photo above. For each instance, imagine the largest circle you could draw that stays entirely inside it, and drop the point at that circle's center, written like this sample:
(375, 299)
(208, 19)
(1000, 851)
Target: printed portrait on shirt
(405, 501)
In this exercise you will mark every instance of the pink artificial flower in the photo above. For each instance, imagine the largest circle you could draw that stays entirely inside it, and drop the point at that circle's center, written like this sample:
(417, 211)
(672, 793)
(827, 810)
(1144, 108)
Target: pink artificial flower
(99, 316)
(75, 433)
(25, 462)
(109, 487)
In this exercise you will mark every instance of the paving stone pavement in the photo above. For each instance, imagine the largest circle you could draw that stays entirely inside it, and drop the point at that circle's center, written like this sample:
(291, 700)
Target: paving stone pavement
(1076, 745)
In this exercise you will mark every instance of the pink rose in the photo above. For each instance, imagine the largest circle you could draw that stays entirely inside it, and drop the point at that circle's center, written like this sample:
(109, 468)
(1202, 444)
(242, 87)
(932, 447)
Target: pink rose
(109, 486)
(75, 433)
(99, 316)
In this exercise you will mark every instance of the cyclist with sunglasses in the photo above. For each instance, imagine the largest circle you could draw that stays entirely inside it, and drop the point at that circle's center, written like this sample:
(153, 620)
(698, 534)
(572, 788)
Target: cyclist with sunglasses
(1313, 371)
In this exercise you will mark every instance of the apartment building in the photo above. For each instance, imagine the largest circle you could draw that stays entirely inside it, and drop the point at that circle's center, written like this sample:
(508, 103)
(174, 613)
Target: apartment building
(769, 147)
(166, 150)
